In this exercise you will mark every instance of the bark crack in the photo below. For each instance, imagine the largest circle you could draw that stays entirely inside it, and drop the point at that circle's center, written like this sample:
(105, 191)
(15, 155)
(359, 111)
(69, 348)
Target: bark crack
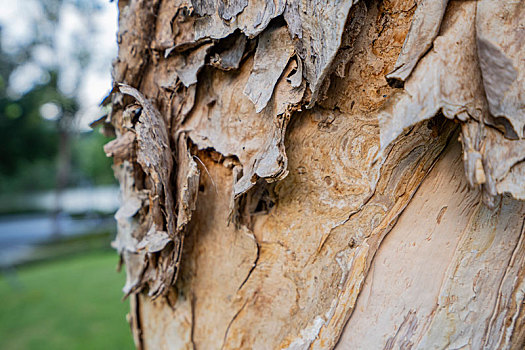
(231, 322)
(253, 266)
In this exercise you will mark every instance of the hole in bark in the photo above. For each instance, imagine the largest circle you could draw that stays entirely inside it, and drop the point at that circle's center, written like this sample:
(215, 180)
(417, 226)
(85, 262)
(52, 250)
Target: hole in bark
(395, 83)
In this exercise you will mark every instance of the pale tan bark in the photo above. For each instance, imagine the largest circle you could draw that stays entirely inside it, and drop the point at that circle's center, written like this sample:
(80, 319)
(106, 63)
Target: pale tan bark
(279, 192)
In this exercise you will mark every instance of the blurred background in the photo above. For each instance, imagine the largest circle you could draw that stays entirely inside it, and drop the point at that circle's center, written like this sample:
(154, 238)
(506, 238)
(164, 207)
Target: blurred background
(58, 285)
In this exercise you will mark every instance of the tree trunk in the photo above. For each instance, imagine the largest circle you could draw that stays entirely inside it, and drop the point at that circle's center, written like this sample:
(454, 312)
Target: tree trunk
(291, 173)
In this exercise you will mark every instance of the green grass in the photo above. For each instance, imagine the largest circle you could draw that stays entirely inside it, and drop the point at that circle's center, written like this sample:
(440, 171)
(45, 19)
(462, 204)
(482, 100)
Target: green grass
(72, 303)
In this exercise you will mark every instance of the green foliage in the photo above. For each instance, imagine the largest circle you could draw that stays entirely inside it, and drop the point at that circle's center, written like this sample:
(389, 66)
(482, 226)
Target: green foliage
(39, 174)
(29, 142)
(90, 164)
(66, 304)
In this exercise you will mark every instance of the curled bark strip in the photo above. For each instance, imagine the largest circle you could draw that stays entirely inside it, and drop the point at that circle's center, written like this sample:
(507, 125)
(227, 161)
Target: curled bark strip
(273, 53)
(187, 183)
(151, 249)
(155, 157)
(424, 29)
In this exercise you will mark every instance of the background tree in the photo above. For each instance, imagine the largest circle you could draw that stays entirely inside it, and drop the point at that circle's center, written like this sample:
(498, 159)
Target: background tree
(42, 102)
(292, 167)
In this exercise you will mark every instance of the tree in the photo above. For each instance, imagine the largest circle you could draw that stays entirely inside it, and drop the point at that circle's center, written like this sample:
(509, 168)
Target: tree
(292, 177)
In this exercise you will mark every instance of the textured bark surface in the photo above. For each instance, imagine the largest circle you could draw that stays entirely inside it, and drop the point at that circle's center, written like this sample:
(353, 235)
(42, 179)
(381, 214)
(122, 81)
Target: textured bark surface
(451, 267)
(291, 173)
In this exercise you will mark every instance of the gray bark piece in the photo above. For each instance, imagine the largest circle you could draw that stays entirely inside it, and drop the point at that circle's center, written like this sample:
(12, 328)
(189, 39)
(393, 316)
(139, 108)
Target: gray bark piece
(153, 153)
(270, 163)
(212, 124)
(134, 270)
(232, 56)
(489, 160)
(188, 65)
(424, 29)
(500, 27)
(273, 52)
(187, 184)
(322, 23)
(293, 19)
(231, 8)
(131, 203)
(513, 183)
(500, 155)
(128, 227)
(251, 21)
(204, 7)
(154, 241)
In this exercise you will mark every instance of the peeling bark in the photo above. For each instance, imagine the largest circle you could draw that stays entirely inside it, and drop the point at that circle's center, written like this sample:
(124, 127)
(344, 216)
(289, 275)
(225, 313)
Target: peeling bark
(423, 31)
(291, 176)
(274, 50)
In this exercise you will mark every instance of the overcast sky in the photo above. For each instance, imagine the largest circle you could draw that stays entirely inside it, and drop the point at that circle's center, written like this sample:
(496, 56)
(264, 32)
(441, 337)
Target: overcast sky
(23, 20)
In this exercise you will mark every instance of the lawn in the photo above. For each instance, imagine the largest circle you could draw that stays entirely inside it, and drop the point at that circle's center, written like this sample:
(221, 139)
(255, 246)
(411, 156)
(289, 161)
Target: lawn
(72, 303)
